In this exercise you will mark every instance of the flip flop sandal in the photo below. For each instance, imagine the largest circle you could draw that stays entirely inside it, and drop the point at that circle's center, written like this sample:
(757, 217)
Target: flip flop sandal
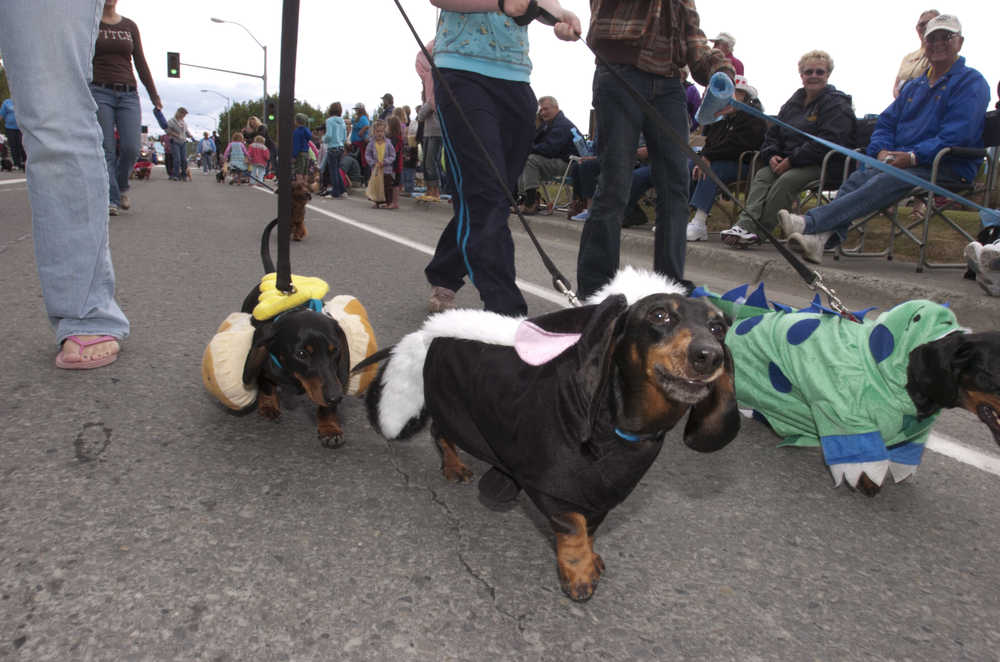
(86, 364)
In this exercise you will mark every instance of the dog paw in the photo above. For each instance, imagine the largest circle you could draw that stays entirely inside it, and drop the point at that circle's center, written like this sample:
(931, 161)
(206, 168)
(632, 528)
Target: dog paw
(579, 584)
(330, 434)
(331, 441)
(457, 474)
(867, 486)
(270, 413)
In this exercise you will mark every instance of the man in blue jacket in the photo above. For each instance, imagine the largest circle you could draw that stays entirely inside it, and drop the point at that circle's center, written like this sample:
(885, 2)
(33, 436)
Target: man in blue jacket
(944, 107)
(13, 133)
(550, 152)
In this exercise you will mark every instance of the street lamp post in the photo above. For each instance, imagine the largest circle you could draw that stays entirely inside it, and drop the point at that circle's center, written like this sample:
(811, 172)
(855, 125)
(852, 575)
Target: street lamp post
(229, 112)
(263, 102)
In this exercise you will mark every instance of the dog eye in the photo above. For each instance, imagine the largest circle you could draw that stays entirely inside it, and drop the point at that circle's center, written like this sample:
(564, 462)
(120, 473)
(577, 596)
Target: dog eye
(717, 330)
(659, 316)
(301, 354)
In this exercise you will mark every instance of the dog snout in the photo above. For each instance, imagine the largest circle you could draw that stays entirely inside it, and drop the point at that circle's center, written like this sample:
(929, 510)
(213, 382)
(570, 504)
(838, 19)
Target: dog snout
(705, 356)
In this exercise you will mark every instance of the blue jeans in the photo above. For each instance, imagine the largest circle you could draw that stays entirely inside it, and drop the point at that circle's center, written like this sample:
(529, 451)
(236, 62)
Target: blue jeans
(118, 110)
(178, 150)
(865, 191)
(207, 159)
(432, 160)
(69, 222)
(619, 121)
(333, 157)
(704, 192)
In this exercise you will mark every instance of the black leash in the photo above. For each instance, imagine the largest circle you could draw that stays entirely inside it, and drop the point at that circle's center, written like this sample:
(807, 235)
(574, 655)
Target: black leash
(558, 280)
(286, 94)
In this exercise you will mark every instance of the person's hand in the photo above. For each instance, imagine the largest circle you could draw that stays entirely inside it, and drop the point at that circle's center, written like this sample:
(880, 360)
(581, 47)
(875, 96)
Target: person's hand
(568, 29)
(698, 173)
(515, 7)
(780, 165)
(898, 159)
(157, 103)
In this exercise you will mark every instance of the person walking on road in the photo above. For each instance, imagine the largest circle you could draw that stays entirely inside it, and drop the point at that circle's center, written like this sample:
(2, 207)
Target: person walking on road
(483, 55)
(669, 37)
(179, 135)
(113, 86)
(13, 133)
(69, 222)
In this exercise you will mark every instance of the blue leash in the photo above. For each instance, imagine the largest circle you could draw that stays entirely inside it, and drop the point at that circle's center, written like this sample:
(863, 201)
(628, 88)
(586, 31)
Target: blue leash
(899, 173)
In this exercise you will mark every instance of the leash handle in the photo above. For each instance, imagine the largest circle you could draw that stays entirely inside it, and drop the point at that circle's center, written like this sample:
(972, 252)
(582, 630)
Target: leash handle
(534, 12)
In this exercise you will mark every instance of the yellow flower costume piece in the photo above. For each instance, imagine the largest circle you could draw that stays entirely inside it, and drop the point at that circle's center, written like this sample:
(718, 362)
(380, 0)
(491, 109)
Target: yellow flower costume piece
(273, 302)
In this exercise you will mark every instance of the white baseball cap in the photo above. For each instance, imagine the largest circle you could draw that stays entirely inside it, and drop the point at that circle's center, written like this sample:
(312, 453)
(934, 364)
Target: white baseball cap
(728, 38)
(943, 22)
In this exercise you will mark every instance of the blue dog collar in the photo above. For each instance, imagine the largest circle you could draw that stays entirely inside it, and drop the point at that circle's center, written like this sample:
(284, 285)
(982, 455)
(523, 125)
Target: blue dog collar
(636, 438)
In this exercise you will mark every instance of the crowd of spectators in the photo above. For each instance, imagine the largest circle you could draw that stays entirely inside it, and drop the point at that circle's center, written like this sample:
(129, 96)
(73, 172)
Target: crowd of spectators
(434, 151)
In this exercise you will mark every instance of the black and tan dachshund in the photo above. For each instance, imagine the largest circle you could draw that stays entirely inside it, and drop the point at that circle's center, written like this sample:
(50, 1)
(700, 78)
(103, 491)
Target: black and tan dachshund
(302, 348)
(575, 429)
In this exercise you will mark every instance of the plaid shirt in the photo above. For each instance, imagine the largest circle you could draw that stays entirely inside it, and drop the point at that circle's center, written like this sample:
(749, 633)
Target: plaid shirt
(657, 36)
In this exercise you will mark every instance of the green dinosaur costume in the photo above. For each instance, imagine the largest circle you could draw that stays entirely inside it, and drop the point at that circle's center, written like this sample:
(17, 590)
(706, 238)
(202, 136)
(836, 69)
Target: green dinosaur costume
(822, 380)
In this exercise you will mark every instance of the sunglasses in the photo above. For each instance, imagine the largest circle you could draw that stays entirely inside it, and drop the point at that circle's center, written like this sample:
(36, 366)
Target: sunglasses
(814, 72)
(937, 37)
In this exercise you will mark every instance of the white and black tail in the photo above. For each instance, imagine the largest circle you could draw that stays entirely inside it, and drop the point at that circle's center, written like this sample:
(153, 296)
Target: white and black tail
(395, 398)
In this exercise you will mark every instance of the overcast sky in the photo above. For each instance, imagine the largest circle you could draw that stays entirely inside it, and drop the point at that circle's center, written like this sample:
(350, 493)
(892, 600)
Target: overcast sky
(351, 51)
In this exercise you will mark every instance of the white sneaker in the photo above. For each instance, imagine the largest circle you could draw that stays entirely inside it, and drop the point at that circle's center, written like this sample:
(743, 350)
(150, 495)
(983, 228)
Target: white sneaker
(791, 223)
(697, 232)
(582, 216)
(990, 256)
(112, 210)
(124, 202)
(976, 261)
(810, 245)
(737, 236)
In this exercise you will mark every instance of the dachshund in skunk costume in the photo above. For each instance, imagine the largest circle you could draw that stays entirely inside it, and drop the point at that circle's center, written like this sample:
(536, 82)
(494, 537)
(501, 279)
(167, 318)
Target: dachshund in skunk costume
(572, 407)
(867, 394)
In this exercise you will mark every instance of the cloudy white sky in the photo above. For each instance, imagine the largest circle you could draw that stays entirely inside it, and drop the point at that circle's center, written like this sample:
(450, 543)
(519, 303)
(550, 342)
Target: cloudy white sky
(352, 51)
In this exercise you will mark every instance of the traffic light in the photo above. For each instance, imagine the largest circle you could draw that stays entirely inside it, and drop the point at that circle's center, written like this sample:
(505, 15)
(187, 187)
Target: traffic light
(173, 65)
(272, 112)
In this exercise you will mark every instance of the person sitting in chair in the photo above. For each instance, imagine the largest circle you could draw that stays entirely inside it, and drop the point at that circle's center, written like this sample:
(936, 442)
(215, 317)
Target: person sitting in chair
(550, 152)
(944, 107)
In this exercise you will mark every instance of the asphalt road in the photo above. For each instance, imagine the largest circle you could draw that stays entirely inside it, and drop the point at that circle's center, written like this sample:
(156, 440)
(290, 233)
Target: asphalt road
(141, 521)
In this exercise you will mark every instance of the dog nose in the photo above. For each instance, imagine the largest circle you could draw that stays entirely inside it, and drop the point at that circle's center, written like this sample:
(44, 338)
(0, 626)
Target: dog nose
(333, 402)
(705, 357)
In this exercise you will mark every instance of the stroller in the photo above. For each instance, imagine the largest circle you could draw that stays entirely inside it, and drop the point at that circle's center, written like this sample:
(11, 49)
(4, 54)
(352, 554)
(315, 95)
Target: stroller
(143, 167)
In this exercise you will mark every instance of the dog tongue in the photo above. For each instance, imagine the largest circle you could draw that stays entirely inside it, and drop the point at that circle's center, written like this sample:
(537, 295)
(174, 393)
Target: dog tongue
(988, 415)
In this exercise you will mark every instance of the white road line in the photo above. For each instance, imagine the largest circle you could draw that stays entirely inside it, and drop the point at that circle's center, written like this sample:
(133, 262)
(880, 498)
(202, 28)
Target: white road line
(537, 290)
(959, 451)
(4, 182)
(935, 442)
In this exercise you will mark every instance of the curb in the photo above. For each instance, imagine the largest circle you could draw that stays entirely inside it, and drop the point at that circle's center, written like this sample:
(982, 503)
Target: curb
(883, 283)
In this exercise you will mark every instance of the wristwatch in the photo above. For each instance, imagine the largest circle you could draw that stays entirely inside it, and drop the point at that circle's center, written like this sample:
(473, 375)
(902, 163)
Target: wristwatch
(913, 159)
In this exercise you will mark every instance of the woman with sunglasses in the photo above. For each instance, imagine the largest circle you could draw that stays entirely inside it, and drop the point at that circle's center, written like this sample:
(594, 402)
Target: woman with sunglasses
(791, 160)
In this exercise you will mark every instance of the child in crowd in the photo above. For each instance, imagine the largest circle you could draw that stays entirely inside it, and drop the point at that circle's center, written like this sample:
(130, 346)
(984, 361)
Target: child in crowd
(380, 156)
(259, 155)
(236, 156)
(397, 134)
(301, 153)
